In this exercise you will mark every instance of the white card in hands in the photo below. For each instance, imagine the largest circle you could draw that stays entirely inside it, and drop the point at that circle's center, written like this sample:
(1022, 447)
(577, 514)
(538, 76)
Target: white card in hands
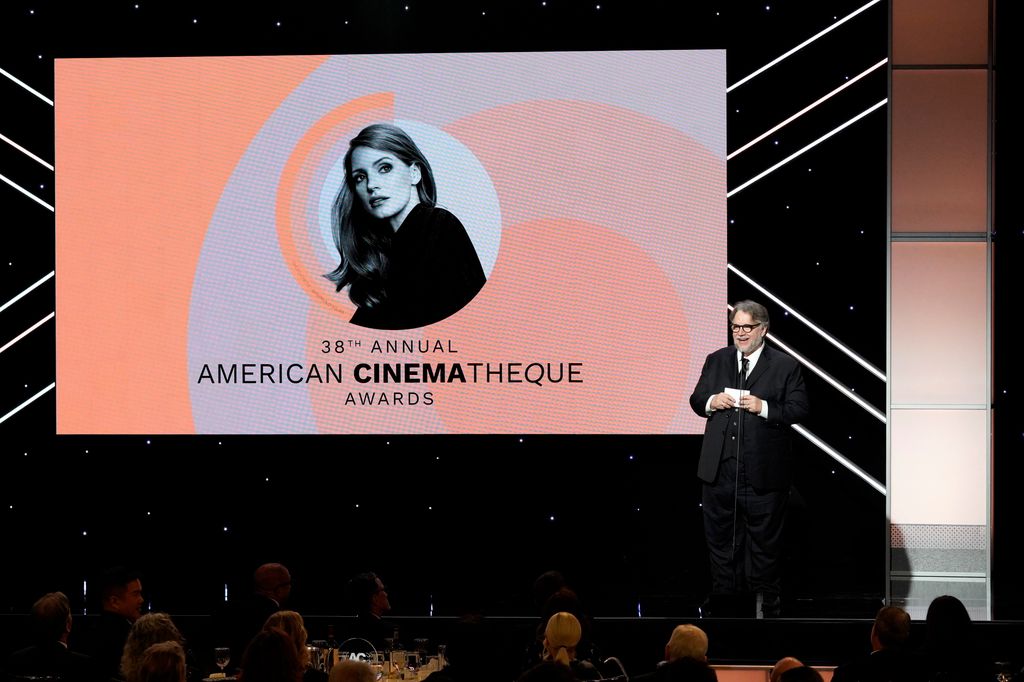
(737, 393)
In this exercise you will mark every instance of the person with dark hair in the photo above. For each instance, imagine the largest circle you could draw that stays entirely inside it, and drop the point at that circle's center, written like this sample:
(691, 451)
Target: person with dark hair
(469, 654)
(751, 394)
(369, 598)
(888, 659)
(406, 262)
(50, 656)
(546, 584)
(951, 650)
(121, 600)
(270, 657)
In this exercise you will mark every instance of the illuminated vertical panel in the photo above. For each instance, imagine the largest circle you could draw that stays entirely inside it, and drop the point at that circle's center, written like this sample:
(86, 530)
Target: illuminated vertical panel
(940, 31)
(939, 150)
(939, 324)
(939, 405)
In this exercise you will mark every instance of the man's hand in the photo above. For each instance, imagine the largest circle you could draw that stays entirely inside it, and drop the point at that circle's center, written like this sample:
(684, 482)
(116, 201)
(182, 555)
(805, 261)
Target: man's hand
(722, 401)
(751, 403)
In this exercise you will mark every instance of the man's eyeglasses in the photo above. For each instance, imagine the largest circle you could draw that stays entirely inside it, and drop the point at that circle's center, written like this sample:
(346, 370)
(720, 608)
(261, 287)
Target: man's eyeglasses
(745, 327)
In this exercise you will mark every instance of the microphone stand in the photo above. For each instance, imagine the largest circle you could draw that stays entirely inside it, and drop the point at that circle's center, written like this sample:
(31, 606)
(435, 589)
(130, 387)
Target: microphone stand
(736, 487)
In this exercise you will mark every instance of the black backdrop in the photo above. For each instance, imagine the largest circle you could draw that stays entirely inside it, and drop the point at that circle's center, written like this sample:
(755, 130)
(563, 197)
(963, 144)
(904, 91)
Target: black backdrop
(470, 521)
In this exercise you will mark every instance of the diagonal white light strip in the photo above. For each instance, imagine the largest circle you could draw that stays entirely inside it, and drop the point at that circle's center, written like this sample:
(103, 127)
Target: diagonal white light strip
(7, 305)
(28, 87)
(831, 452)
(25, 404)
(871, 409)
(25, 333)
(801, 45)
(24, 151)
(807, 148)
(24, 191)
(822, 333)
(806, 109)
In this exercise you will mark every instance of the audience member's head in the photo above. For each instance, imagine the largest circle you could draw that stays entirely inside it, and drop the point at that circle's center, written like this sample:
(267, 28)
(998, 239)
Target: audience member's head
(150, 629)
(352, 671)
(782, 665)
(562, 599)
(546, 584)
(687, 641)
(801, 673)
(121, 592)
(469, 648)
(891, 629)
(561, 635)
(270, 657)
(548, 671)
(367, 594)
(273, 581)
(291, 623)
(948, 624)
(51, 618)
(163, 662)
(686, 669)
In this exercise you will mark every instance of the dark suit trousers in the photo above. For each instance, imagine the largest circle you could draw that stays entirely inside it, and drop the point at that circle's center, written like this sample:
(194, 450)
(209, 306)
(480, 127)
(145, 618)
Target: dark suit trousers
(754, 564)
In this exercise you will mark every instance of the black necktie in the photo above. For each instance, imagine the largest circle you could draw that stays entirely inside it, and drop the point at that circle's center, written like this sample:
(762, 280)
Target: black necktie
(743, 372)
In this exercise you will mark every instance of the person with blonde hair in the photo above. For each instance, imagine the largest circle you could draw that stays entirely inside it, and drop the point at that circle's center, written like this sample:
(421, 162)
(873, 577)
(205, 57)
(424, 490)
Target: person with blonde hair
(352, 671)
(561, 635)
(687, 641)
(291, 623)
(150, 629)
(163, 662)
(270, 657)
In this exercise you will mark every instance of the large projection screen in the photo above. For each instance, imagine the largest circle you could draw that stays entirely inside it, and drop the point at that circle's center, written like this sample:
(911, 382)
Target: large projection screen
(194, 200)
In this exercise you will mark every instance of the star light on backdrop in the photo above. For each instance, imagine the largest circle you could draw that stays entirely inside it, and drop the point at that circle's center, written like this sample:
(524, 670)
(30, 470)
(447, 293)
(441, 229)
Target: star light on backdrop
(812, 235)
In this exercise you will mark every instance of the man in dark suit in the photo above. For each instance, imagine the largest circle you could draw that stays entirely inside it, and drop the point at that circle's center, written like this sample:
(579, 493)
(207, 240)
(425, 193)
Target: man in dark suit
(888, 660)
(751, 394)
(49, 656)
(122, 602)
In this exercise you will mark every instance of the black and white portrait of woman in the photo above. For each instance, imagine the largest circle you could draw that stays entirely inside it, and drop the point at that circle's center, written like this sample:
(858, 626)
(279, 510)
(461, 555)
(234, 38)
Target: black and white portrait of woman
(406, 261)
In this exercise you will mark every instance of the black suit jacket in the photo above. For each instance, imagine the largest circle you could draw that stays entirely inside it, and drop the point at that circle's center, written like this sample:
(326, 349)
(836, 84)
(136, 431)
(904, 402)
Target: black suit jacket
(767, 443)
(53, 659)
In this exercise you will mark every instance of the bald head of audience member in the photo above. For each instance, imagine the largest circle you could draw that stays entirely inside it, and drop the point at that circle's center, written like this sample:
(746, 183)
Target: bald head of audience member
(782, 665)
(687, 641)
(273, 581)
(891, 629)
(51, 618)
(352, 671)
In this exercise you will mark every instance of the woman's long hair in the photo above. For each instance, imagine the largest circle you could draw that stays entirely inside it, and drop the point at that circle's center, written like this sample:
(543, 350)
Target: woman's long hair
(363, 241)
(291, 623)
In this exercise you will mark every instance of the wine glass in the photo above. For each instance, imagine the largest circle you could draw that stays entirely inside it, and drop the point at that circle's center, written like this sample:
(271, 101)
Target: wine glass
(222, 656)
(398, 661)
